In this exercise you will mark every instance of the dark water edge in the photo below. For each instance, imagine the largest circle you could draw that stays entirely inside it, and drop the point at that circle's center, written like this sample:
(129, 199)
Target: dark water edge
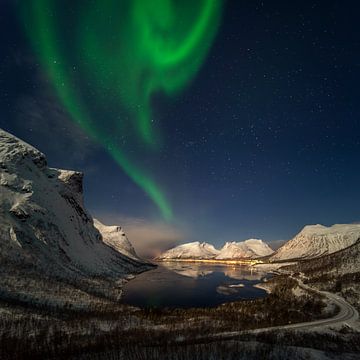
(187, 285)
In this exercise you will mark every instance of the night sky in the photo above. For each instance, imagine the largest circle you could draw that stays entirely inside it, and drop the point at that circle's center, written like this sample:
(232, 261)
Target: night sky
(262, 139)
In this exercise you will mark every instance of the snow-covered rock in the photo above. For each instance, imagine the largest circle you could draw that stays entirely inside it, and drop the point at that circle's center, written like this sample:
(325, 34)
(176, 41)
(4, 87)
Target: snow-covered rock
(44, 227)
(115, 237)
(317, 240)
(251, 249)
(193, 250)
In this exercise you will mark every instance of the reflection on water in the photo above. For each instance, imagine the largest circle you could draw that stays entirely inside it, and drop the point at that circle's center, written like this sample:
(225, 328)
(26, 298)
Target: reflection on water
(185, 285)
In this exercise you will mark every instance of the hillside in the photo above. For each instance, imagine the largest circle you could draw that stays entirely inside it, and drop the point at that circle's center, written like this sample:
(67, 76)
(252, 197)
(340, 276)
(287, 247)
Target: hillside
(342, 262)
(46, 234)
(337, 272)
(318, 240)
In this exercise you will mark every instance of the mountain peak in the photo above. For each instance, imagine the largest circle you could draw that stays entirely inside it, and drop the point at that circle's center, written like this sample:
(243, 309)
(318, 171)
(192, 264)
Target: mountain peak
(73, 179)
(193, 250)
(115, 237)
(14, 151)
(250, 248)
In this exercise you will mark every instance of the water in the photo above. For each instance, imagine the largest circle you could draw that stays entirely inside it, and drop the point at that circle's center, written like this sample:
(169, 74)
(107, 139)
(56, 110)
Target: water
(193, 285)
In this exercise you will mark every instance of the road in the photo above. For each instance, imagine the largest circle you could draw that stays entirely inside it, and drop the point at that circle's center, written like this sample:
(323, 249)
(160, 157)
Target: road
(347, 314)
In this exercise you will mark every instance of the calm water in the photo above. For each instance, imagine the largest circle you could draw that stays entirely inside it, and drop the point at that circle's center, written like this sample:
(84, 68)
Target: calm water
(193, 285)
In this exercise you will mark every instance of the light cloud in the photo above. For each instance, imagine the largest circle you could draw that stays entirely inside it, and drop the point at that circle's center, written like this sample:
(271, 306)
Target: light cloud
(149, 238)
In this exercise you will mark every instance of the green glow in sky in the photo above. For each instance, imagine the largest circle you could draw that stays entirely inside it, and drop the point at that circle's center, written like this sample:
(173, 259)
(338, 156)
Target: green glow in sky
(113, 54)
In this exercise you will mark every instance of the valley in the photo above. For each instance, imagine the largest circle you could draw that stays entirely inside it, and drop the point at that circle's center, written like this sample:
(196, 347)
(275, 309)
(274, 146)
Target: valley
(64, 277)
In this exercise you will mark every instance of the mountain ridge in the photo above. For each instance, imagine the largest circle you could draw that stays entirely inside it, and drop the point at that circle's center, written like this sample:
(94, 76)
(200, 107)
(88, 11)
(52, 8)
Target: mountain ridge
(247, 249)
(193, 250)
(114, 236)
(317, 240)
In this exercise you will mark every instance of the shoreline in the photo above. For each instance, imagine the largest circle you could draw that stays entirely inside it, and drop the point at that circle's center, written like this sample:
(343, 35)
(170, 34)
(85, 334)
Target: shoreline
(263, 286)
(250, 262)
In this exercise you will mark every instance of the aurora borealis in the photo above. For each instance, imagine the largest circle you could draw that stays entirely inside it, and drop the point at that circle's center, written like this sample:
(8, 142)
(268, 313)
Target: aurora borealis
(118, 55)
(224, 120)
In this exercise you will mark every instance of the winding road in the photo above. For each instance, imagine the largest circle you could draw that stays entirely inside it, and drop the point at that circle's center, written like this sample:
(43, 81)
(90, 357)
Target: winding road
(346, 315)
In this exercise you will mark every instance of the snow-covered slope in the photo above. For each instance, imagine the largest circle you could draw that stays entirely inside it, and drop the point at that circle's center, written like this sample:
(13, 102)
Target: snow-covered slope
(345, 261)
(252, 248)
(44, 227)
(336, 272)
(115, 237)
(194, 250)
(317, 240)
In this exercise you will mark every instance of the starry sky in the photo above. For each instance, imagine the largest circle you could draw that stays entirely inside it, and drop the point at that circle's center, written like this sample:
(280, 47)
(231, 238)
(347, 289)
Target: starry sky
(261, 139)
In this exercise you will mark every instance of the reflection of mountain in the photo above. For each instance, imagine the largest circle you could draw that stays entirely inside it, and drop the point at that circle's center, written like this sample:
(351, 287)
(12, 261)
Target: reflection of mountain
(242, 274)
(193, 270)
(227, 290)
(196, 271)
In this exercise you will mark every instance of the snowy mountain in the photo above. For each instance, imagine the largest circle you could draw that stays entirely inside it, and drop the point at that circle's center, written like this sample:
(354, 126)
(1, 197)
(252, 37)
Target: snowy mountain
(44, 228)
(313, 241)
(317, 240)
(115, 237)
(252, 248)
(342, 262)
(194, 250)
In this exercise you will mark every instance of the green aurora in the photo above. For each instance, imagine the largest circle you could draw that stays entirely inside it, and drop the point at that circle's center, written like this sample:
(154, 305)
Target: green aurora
(111, 57)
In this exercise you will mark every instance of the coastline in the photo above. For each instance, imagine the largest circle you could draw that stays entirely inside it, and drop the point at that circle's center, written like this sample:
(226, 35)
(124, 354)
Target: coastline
(248, 262)
(263, 286)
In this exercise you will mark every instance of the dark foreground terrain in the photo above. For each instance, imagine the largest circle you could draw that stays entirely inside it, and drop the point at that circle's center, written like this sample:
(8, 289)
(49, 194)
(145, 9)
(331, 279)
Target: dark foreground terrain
(108, 330)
